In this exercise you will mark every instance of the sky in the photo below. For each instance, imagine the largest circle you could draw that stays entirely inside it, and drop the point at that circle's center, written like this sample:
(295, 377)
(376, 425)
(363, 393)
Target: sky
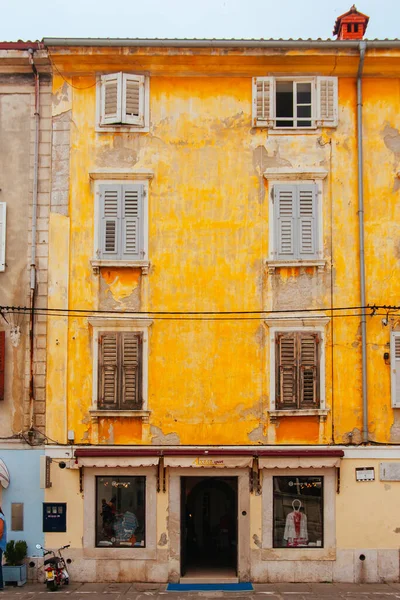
(35, 19)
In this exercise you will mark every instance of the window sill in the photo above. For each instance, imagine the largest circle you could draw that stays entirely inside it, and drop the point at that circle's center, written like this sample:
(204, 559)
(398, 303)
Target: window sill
(121, 264)
(274, 415)
(279, 264)
(124, 128)
(121, 414)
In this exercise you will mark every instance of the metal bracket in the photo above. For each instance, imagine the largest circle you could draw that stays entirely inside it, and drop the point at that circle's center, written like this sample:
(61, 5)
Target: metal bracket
(161, 476)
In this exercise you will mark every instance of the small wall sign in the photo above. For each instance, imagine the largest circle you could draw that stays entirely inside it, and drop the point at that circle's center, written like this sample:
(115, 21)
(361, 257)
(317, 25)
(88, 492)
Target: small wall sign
(54, 516)
(365, 474)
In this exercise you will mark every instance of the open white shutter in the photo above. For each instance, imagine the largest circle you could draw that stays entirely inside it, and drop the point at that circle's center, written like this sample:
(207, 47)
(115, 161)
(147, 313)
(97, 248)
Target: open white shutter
(284, 210)
(2, 236)
(307, 221)
(263, 101)
(327, 101)
(133, 99)
(132, 222)
(111, 99)
(395, 367)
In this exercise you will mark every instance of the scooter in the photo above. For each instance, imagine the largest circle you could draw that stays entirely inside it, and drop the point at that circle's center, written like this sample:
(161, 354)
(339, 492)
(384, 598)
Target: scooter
(55, 568)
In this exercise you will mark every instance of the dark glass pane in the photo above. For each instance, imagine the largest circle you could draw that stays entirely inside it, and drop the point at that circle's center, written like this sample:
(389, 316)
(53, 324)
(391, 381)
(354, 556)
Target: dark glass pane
(304, 111)
(120, 512)
(284, 101)
(304, 93)
(298, 512)
(304, 124)
(284, 123)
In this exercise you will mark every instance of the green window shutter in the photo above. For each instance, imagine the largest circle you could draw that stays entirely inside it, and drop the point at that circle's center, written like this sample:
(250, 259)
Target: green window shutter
(285, 213)
(286, 371)
(132, 222)
(395, 367)
(309, 370)
(108, 371)
(110, 221)
(131, 353)
(307, 220)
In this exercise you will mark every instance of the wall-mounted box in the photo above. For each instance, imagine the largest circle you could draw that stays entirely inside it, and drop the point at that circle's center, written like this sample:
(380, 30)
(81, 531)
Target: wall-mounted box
(54, 516)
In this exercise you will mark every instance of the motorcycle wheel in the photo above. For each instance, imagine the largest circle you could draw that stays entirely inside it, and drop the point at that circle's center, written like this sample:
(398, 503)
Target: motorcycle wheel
(51, 586)
(66, 581)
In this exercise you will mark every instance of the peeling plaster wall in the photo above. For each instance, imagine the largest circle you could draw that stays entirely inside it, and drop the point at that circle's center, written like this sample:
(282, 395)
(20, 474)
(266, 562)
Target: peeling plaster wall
(208, 240)
(17, 130)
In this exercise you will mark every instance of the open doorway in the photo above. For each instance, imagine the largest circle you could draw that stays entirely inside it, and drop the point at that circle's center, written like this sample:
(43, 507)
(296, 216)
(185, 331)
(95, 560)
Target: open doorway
(209, 530)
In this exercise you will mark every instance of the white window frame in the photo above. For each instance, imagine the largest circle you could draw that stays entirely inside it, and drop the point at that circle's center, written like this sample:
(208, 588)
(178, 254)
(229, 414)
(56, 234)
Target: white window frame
(3, 235)
(316, 121)
(126, 127)
(395, 400)
(110, 179)
(302, 323)
(293, 177)
(104, 325)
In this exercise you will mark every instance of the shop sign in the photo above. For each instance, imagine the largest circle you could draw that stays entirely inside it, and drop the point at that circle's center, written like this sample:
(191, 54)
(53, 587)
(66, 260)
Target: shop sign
(365, 474)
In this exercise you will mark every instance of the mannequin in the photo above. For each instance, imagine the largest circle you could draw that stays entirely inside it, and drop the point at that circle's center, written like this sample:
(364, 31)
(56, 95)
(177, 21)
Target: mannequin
(296, 527)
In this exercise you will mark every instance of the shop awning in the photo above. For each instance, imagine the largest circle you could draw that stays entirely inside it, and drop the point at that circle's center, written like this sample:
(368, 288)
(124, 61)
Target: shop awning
(4, 475)
(117, 461)
(299, 462)
(218, 462)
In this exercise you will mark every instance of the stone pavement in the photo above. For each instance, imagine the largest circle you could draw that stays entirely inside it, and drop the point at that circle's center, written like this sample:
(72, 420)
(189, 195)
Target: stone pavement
(149, 591)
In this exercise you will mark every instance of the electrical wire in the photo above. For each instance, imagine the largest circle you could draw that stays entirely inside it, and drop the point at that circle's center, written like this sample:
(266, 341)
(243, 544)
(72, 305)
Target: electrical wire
(75, 87)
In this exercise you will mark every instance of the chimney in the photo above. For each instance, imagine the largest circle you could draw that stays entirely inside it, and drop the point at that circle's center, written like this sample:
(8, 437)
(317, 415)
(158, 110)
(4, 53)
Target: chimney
(351, 25)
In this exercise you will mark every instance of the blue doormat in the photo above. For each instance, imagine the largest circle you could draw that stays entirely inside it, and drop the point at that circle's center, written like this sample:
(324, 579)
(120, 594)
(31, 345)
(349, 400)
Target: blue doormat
(208, 587)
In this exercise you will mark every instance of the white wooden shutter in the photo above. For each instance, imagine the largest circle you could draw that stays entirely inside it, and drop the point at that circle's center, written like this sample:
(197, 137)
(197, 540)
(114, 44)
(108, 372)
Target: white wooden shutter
(132, 222)
(110, 210)
(133, 99)
(2, 236)
(131, 371)
(108, 371)
(307, 220)
(111, 99)
(395, 367)
(263, 102)
(327, 101)
(285, 212)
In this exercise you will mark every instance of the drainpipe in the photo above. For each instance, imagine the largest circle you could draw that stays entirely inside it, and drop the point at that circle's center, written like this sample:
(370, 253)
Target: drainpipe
(34, 230)
(362, 47)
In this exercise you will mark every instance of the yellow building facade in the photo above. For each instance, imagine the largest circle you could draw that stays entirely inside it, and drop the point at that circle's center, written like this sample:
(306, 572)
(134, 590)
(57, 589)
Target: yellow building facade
(205, 369)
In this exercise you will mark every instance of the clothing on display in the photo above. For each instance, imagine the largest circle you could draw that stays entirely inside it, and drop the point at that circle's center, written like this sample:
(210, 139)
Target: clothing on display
(296, 533)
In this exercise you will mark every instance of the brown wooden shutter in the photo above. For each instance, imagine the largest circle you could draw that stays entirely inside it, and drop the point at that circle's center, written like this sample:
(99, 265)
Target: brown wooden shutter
(131, 352)
(2, 362)
(308, 365)
(108, 371)
(286, 363)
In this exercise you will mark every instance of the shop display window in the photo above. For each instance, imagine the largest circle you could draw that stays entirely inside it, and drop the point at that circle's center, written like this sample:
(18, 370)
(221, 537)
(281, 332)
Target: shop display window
(120, 512)
(298, 512)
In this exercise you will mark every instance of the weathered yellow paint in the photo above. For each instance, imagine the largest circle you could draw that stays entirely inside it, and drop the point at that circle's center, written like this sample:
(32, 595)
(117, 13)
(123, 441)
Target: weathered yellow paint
(208, 240)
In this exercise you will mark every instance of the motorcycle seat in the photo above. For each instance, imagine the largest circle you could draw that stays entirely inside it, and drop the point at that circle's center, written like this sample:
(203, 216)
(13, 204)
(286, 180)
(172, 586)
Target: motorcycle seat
(51, 561)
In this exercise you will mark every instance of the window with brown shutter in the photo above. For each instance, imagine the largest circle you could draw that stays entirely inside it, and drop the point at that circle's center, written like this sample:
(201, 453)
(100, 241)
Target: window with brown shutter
(120, 371)
(297, 370)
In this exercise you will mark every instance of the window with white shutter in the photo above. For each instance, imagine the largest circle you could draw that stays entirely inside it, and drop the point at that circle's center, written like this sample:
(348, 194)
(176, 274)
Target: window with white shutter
(120, 371)
(2, 236)
(295, 221)
(124, 99)
(297, 370)
(295, 103)
(121, 222)
(395, 367)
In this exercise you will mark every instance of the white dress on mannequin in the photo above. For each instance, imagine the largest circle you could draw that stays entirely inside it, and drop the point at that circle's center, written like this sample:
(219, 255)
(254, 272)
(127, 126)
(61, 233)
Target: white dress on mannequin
(296, 533)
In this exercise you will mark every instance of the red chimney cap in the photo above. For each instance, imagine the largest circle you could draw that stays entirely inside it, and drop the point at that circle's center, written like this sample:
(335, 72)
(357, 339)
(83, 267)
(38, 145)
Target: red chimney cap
(351, 16)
